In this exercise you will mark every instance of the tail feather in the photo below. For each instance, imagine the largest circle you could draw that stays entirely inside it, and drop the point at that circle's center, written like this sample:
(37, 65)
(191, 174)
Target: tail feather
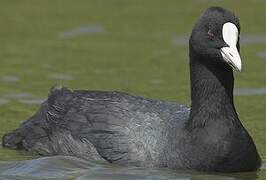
(34, 134)
(27, 132)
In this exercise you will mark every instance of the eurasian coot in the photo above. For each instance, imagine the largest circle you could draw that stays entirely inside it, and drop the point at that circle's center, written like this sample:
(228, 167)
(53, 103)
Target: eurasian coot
(131, 130)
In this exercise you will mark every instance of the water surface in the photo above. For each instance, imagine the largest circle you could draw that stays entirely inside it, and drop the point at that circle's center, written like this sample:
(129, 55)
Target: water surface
(65, 167)
(135, 46)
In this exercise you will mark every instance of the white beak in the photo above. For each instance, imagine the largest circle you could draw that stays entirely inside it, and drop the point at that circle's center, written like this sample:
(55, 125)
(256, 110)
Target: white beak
(230, 54)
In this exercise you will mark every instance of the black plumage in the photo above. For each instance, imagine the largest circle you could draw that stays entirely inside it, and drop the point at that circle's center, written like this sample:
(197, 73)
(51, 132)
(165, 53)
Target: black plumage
(125, 129)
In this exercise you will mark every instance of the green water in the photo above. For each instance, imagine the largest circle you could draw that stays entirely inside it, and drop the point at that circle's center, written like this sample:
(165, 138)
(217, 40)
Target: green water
(125, 45)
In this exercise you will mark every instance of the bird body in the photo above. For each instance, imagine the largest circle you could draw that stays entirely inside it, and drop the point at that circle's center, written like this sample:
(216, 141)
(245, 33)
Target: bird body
(132, 130)
(120, 127)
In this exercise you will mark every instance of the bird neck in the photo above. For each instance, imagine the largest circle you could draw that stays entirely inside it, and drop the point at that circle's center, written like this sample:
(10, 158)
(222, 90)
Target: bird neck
(211, 93)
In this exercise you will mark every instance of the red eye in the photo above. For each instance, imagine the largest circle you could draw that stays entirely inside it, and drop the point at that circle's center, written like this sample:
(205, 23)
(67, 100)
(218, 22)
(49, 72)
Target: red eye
(210, 33)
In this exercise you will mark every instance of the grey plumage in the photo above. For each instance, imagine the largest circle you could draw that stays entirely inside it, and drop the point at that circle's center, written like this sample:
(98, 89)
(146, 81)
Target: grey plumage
(121, 128)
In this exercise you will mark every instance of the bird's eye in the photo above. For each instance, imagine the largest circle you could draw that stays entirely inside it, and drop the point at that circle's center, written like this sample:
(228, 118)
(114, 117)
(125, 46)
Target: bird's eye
(210, 34)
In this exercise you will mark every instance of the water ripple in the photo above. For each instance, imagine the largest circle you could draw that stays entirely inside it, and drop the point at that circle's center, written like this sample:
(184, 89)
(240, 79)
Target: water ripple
(81, 30)
(63, 77)
(249, 91)
(261, 54)
(10, 78)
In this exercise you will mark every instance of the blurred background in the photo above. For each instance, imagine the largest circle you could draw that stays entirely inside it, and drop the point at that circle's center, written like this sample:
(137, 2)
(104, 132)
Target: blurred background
(136, 46)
